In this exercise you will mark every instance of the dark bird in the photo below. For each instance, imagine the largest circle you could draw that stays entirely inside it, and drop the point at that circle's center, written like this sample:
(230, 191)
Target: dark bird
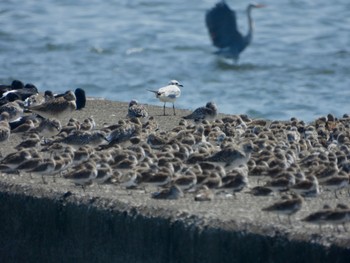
(15, 85)
(222, 27)
(18, 90)
(80, 98)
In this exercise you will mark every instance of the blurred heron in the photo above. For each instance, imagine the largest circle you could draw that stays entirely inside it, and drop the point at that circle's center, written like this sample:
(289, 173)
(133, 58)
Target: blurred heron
(222, 27)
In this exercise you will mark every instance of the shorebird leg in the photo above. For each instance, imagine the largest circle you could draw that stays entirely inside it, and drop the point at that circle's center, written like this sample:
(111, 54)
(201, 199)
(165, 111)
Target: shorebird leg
(234, 195)
(42, 177)
(144, 189)
(345, 229)
(174, 109)
(279, 219)
(338, 230)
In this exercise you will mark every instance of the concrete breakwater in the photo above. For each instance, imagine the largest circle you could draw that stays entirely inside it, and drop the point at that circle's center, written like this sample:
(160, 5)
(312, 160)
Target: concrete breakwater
(59, 221)
(41, 226)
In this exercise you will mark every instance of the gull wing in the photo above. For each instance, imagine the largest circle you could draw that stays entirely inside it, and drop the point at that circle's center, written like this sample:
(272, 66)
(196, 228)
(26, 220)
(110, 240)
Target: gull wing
(171, 91)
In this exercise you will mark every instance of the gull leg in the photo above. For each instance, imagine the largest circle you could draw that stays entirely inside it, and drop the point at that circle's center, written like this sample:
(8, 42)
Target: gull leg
(164, 108)
(174, 108)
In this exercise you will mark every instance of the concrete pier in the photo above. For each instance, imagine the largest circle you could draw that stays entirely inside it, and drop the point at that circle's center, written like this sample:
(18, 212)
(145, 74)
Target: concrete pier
(60, 222)
(45, 226)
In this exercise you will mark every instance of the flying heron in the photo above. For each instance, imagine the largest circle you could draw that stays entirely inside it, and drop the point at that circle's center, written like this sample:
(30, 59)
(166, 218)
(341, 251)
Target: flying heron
(222, 27)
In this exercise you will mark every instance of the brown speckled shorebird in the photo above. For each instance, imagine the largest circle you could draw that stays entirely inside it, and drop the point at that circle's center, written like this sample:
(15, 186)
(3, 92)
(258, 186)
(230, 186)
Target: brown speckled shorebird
(209, 112)
(339, 215)
(308, 187)
(173, 192)
(59, 108)
(136, 110)
(14, 109)
(13, 160)
(286, 207)
(48, 128)
(203, 193)
(5, 130)
(79, 138)
(83, 175)
(231, 157)
(46, 167)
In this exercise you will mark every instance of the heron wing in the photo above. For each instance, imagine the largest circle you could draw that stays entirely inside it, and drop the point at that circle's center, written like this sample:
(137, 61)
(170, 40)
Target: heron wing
(222, 26)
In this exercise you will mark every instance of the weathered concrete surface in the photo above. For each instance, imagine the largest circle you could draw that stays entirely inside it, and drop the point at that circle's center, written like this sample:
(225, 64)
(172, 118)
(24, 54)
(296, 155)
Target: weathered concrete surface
(44, 226)
(59, 222)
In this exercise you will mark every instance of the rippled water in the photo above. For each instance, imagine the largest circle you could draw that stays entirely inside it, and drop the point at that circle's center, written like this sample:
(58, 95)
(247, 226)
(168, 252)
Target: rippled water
(298, 64)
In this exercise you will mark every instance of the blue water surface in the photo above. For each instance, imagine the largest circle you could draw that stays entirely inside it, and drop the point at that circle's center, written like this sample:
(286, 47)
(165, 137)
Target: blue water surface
(298, 64)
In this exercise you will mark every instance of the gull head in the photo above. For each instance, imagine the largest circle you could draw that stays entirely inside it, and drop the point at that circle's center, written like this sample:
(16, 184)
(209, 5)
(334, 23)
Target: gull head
(175, 82)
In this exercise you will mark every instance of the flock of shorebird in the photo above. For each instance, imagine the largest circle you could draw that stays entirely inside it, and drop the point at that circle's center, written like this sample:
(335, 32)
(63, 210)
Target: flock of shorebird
(203, 155)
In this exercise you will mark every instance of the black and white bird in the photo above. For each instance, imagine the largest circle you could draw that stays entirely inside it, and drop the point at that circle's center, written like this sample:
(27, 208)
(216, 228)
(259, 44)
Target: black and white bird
(168, 93)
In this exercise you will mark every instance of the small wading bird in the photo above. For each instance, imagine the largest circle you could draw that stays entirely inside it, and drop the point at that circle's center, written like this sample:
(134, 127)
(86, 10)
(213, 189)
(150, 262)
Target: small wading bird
(222, 27)
(209, 112)
(169, 93)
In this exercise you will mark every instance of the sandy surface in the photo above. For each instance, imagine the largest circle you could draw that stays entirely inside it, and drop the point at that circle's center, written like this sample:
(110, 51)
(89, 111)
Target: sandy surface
(242, 211)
